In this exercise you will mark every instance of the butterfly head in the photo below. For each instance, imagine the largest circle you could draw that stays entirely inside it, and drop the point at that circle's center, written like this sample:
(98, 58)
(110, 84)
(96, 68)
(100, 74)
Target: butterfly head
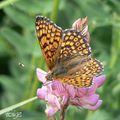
(49, 77)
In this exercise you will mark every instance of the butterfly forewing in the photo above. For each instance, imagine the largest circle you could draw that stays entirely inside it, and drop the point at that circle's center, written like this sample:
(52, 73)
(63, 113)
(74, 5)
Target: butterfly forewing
(49, 36)
(74, 44)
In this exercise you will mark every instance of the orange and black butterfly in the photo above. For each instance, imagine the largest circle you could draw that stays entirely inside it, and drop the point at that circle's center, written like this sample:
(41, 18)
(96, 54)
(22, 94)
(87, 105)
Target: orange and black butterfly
(67, 53)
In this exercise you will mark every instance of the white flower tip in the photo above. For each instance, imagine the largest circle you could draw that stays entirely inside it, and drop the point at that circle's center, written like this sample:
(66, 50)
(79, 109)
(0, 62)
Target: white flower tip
(41, 75)
(40, 71)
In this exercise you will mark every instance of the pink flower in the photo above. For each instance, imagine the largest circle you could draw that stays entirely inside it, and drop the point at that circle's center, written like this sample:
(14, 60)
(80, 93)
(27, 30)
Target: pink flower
(57, 94)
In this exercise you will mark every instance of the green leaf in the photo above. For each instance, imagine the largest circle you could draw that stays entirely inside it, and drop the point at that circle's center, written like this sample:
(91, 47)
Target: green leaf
(99, 115)
(5, 49)
(19, 17)
(35, 6)
(15, 39)
(32, 115)
(10, 92)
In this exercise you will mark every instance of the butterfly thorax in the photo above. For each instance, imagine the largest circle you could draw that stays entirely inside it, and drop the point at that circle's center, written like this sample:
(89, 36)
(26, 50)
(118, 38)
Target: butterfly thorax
(57, 72)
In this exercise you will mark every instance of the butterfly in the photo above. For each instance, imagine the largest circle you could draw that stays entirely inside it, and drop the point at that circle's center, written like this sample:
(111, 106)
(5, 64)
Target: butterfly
(67, 53)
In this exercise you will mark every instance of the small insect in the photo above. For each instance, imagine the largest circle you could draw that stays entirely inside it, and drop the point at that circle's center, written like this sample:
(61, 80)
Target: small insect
(67, 54)
(21, 64)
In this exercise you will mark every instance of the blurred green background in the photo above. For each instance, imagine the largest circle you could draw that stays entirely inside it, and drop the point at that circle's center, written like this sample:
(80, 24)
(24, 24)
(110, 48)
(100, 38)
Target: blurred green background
(19, 45)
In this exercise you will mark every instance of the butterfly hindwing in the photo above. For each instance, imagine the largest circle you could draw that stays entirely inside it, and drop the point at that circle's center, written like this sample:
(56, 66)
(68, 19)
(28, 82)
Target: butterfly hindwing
(49, 36)
(84, 77)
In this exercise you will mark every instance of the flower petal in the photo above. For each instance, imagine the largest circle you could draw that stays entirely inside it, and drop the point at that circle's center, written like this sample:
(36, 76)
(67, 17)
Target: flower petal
(80, 92)
(100, 80)
(91, 100)
(71, 91)
(50, 111)
(92, 89)
(41, 75)
(41, 93)
(53, 101)
(59, 88)
(95, 107)
(64, 100)
(75, 101)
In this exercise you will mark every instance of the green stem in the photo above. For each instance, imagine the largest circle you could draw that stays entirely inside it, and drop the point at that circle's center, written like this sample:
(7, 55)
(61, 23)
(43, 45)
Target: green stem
(55, 10)
(17, 105)
(52, 118)
(115, 46)
(115, 41)
(113, 59)
(6, 3)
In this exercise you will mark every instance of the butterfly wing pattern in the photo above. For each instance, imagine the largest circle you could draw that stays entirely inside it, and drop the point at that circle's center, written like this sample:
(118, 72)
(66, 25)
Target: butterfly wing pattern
(49, 36)
(74, 45)
(84, 76)
(70, 49)
(76, 49)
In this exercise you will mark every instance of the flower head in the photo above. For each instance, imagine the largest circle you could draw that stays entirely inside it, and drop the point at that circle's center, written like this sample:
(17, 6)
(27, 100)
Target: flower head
(57, 94)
